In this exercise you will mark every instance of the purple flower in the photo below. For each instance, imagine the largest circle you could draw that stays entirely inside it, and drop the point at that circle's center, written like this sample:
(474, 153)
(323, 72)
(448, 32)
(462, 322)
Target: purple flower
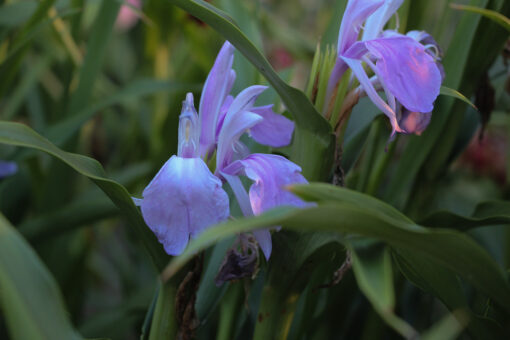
(7, 168)
(270, 175)
(402, 65)
(185, 197)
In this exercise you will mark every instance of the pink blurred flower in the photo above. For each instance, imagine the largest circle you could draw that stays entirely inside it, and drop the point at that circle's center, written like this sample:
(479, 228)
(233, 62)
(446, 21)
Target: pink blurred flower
(127, 17)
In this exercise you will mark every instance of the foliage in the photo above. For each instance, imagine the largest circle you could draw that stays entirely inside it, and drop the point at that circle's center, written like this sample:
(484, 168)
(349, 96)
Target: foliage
(411, 239)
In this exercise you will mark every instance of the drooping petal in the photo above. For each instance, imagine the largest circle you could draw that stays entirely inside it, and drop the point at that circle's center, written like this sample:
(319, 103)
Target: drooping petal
(377, 20)
(7, 168)
(368, 87)
(409, 72)
(414, 122)
(216, 88)
(263, 237)
(237, 120)
(274, 130)
(356, 12)
(181, 201)
(270, 174)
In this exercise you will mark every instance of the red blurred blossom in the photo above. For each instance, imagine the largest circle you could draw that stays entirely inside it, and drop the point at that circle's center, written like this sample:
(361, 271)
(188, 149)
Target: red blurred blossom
(487, 156)
(127, 17)
(281, 58)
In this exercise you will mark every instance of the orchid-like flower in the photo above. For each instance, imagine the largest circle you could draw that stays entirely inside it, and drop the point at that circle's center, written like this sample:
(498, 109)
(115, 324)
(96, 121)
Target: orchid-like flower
(403, 65)
(7, 168)
(185, 197)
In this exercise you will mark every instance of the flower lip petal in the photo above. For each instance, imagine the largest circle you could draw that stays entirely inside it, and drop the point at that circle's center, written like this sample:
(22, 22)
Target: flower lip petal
(182, 200)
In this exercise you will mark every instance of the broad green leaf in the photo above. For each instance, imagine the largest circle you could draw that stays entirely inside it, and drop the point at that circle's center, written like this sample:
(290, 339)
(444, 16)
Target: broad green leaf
(373, 271)
(321, 192)
(444, 284)
(485, 213)
(96, 49)
(21, 135)
(450, 248)
(29, 296)
(492, 15)
(297, 103)
(446, 91)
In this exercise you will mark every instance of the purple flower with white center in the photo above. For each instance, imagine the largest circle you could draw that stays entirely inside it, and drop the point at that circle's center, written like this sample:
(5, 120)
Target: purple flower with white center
(402, 65)
(185, 197)
(7, 168)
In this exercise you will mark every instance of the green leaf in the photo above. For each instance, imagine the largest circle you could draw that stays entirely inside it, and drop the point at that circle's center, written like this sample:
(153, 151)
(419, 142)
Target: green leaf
(373, 271)
(96, 49)
(446, 91)
(19, 45)
(448, 248)
(29, 296)
(300, 255)
(21, 135)
(444, 284)
(484, 214)
(448, 328)
(492, 15)
(66, 128)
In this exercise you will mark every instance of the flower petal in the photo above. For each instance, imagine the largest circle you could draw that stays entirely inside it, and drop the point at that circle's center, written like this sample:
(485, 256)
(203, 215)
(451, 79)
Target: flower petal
(409, 72)
(275, 130)
(414, 122)
(376, 21)
(271, 174)
(368, 87)
(263, 237)
(181, 201)
(237, 120)
(216, 88)
(356, 12)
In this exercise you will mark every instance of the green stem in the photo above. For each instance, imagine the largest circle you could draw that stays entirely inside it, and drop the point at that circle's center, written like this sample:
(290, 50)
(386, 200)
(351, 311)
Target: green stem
(275, 314)
(164, 324)
(370, 155)
(380, 169)
(229, 311)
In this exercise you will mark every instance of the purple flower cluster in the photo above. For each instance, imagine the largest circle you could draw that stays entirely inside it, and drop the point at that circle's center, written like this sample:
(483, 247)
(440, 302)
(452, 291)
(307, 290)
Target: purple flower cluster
(185, 196)
(406, 67)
